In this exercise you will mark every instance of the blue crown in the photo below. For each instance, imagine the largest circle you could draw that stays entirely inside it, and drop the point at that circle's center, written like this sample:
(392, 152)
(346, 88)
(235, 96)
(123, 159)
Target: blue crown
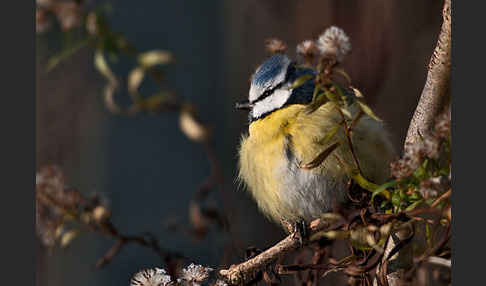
(271, 69)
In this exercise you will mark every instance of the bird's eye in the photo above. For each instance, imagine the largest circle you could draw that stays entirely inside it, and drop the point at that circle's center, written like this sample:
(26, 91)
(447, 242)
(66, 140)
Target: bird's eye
(265, 94)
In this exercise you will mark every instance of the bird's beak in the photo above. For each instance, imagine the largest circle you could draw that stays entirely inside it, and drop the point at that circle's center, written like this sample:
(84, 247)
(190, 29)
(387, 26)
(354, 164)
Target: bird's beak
(243, 105)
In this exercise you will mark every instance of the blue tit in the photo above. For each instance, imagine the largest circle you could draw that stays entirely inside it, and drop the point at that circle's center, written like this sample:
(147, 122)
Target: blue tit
(283, 135)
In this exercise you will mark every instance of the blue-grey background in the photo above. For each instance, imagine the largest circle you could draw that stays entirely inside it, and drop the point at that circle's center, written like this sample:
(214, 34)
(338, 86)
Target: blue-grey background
(148, 170)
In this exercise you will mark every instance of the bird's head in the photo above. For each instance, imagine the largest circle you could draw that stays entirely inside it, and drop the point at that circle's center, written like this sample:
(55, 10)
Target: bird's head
(270, 87)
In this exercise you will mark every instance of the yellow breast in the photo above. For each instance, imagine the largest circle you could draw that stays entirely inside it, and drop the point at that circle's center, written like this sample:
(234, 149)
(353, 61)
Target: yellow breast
(290, 136)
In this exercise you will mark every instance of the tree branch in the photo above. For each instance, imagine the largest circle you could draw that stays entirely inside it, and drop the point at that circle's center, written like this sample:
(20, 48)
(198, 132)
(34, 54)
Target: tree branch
(246, 271)
(436, 86)
(431, 101)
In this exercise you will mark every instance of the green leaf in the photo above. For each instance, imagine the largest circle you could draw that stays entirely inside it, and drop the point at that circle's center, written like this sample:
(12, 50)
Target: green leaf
(383, 188)
(347, 98)
(364, 183)
(316, 92)
(428, 234)
(366, 109)
(402, 194)
(339, 91)
(384, 204)
(300, 81)
(360, 180)
(396, 200)
(318, 102)
(330, 134)
(415, 196)
(429, 201)
(413, 205)
(331, 96)
(421, 172)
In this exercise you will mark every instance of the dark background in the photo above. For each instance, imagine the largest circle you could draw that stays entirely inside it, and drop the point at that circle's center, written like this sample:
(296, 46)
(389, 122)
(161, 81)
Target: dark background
(148, 169)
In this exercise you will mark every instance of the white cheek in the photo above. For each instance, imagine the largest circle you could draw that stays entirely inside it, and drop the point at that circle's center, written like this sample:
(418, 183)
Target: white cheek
(272, 102)
(255, 92)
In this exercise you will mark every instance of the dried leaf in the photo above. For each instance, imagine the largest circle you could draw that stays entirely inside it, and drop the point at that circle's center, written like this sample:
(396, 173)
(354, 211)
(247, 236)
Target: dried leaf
(192, 127)
(274, 46)
(134, 80)
(101, 214)
(59, 231)
(154, 57)
(346, 113)
(300, 81)
(154, 102)
(199, 221)
(102, 66)
(357, 93)
(108, 96)
(331, 234)
(366, 109)
(321, 157)
(67, 237)
(447, 212)
(331, 217)
(385, 229)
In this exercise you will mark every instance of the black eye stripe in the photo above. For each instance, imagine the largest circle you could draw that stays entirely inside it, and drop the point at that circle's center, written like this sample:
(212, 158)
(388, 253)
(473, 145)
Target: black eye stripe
(269, 92)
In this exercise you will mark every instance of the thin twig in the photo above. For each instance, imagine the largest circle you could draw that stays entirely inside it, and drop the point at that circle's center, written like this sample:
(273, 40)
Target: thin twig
(439, 261)
(348, 137)
(441, 198)
(109, 230)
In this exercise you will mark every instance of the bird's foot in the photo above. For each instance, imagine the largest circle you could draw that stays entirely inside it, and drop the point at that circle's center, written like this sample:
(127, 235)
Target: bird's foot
(300, 232)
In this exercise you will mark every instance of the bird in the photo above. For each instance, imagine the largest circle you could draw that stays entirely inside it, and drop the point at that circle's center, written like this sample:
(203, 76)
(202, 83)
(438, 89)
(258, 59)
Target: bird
(282, 136)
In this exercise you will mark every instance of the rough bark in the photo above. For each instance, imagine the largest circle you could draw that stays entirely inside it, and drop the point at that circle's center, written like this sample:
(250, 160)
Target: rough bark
(433, 98)
(246, 271)
(434, 94)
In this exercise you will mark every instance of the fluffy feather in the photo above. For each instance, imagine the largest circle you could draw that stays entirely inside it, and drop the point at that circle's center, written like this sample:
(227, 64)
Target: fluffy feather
(278, 143)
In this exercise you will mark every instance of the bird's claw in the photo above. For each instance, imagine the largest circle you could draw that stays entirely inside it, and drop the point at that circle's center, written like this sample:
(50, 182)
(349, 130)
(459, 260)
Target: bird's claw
(300, 232)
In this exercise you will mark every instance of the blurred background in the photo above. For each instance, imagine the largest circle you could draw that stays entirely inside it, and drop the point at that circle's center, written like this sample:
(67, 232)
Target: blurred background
(148, 170)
